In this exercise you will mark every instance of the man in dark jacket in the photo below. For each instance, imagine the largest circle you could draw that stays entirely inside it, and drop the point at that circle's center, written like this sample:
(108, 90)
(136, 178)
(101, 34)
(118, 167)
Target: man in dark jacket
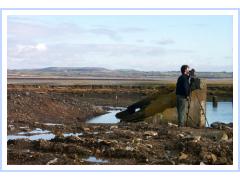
(182, 92)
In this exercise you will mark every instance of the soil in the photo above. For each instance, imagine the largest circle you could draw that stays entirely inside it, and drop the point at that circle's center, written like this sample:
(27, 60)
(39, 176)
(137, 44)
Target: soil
(31, 107)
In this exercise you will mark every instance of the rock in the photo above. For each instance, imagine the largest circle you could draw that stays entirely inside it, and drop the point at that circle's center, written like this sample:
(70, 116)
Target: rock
(196, 139)
(180, 135)
(183, 156)
(214, 157)
(219, 125)
(114, 141)
(128, 148)
(58, 147)
(43, 145)
(58, 134)
(224, 137)
(72, 149)
(52, 161)
(189, 137)
(172, 125)
(104, 142)
(11, 127)
(27, 93)
(113, 127)
(136, 140)
(98, 110)
(150, 133)
(98, 151)
(73, 139)
(86, 129)
(209, 157)
(149, 146)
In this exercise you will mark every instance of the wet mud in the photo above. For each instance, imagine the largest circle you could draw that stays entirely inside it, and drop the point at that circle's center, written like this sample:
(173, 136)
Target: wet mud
(48, 126)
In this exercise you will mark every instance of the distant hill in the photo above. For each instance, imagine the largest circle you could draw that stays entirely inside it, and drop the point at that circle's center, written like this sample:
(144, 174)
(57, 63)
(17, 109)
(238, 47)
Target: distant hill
(103, 72)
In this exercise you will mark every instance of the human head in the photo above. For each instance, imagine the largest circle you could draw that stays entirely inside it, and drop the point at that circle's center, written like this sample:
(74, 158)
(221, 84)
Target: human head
(185, 69)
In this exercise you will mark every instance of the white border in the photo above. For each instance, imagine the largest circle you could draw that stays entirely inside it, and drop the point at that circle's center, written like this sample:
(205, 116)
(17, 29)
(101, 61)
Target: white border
(6, 13)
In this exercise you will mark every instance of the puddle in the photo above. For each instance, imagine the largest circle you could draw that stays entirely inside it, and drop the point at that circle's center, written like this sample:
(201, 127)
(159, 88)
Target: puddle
(93, 159)
(222, 113)
(52, 124)
(108, 132)
(72, 134)
(108, 118)
(24, 127)
(33, 135)
(36, 131)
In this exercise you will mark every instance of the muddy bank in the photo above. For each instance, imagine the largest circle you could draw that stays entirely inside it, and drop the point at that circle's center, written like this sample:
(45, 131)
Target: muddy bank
(28, 108)
(137, 143)
(46, 126)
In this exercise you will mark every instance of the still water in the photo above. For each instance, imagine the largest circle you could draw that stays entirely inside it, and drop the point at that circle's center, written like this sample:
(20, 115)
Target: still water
(222, 113)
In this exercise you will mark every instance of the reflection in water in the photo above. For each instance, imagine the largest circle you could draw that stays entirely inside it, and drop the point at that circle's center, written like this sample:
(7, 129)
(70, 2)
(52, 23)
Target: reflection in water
(95, 160)
(222, 113)
(35, 134)
(33, 137)
(106, 118)
(72, 134)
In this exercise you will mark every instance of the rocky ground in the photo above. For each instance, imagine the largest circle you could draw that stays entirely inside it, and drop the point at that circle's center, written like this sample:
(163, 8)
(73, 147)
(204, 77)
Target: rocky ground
(135, 143)
(59, 114)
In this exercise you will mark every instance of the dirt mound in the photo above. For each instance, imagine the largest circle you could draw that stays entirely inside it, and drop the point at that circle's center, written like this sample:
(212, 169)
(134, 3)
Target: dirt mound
(27, 107)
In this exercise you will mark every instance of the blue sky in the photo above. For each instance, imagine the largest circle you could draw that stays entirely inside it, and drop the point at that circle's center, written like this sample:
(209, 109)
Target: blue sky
(148, 43)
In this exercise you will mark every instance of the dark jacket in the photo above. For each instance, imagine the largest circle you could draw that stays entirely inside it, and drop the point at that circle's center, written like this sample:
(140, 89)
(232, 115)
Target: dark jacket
(183, 86)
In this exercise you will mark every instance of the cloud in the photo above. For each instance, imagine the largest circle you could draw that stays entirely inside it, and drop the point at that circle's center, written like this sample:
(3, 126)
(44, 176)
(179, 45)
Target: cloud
(106, 32)
(140, 41)
(102, 55)
(132, 30)
(164, 42)
(41, 47)
(30, 31)
(31, 48)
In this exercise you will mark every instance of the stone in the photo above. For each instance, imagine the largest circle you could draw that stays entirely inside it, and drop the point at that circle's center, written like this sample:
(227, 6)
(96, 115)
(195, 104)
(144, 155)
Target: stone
(113, 127)
(149, 146)
(44, 144)
(104, 142)
(180, 135)
(214, 157)
(224, 137)
(129, 148)
(150, 133)
(196, 139)
(98, 151)
(172, 125)
(210, 157)
(27, 93)
(73, 139)
(86, 129)
(54, 161)
(183, 156)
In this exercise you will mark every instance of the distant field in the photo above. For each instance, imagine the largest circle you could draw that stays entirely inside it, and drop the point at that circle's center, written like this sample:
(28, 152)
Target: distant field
(103, 81)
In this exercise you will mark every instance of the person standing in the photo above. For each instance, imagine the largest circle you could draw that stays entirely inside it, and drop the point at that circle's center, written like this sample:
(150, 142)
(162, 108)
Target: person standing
(182, 92)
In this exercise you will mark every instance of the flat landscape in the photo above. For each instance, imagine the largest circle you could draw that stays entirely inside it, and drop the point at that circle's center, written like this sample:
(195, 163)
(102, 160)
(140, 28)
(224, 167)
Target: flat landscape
(48, 122)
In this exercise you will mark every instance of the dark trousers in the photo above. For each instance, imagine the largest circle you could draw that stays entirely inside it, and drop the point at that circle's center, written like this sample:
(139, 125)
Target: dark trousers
(181, 109)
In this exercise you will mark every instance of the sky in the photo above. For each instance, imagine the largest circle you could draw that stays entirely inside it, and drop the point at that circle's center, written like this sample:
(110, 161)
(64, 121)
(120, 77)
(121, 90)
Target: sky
(140, 42)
